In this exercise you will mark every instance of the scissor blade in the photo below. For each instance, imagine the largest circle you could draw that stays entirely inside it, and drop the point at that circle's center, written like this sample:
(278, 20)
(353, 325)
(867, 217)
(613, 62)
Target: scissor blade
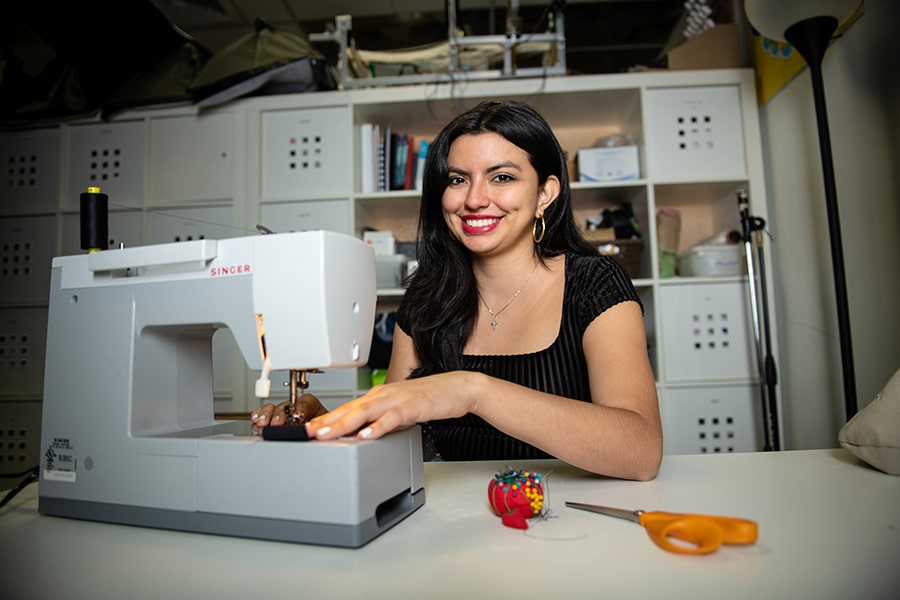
(628, 515)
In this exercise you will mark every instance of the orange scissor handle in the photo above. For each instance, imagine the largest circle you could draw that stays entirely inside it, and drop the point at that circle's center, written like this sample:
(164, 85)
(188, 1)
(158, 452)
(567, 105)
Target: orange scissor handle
(705, 532)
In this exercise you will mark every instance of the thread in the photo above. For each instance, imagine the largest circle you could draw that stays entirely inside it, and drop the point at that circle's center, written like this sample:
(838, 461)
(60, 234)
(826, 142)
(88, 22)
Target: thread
(94, 220)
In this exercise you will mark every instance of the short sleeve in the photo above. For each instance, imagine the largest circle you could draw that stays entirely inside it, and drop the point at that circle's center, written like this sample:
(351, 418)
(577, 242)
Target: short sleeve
(596, 284)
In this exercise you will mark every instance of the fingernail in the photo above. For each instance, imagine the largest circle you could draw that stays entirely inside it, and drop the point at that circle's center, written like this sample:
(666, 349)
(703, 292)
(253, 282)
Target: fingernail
(262, 418)
(365, 432)
(323, 431)
(276, 418)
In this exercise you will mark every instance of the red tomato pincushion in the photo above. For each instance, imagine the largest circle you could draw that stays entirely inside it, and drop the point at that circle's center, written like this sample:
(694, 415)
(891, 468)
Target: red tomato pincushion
(516, 496)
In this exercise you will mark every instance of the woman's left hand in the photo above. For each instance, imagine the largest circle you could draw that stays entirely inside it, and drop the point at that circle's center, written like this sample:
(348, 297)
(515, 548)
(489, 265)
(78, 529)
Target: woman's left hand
(308, 407)
(398, 405)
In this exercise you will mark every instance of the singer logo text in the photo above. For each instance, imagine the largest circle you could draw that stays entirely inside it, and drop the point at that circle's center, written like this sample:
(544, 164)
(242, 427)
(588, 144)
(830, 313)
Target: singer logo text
(229, 270)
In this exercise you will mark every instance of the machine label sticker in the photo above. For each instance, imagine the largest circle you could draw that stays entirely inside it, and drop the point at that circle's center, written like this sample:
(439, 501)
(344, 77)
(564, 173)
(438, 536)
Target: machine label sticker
(59, 461)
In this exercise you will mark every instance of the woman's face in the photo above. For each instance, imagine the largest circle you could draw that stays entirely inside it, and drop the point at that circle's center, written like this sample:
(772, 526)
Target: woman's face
(493, 195)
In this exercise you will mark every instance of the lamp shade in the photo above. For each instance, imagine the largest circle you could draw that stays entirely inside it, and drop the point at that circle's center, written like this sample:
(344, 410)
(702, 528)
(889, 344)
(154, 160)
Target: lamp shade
(772, 17)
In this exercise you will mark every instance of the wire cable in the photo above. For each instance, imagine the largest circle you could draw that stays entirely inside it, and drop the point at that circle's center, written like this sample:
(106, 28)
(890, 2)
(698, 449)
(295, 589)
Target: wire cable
(31, 475)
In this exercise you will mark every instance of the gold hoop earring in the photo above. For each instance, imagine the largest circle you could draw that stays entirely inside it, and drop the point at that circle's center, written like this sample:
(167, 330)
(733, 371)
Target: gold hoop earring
(534, 234)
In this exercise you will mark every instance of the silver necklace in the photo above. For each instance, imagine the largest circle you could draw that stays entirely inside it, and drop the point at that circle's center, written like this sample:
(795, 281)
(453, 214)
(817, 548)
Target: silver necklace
(494, 315)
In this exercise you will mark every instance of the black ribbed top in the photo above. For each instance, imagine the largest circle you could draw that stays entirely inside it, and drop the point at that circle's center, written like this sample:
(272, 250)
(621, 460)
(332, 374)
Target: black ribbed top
(593, 284)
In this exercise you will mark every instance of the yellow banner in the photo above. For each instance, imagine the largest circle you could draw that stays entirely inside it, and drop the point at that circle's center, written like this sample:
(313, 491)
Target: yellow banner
(776, 63)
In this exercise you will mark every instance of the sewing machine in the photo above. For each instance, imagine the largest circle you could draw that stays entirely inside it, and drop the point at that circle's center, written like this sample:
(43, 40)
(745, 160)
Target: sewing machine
(128, 430)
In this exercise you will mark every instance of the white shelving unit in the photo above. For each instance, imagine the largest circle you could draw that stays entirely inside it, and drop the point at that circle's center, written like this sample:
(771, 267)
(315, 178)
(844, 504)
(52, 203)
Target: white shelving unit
(292, 162)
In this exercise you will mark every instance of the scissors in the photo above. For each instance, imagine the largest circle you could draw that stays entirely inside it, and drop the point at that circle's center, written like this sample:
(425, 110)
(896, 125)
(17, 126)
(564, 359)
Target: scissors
(705, 532)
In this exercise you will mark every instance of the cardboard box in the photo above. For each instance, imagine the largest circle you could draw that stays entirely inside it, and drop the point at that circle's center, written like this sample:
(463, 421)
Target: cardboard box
(716, 48)
(616, 163)
(625, 252)
(607, 234)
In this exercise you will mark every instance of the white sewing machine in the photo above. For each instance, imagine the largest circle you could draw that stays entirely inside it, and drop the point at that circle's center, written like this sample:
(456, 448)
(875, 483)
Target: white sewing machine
(128, 431)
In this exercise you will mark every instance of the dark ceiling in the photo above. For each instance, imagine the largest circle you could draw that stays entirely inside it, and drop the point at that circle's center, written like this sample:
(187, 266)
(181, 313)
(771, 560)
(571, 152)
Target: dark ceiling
(104, 42)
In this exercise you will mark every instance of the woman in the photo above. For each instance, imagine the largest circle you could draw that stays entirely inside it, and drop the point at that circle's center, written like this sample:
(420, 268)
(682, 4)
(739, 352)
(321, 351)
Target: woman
(514, 339)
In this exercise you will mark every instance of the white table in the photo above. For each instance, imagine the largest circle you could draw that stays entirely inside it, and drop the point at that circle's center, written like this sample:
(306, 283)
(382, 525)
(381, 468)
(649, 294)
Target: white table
(829, 528)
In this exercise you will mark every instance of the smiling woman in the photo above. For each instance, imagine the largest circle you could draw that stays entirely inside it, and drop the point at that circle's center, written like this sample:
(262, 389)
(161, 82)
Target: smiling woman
(565, 372)
(492, 189)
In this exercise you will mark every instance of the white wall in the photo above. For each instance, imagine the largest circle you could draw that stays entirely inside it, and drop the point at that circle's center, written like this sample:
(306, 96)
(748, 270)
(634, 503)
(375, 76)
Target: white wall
(862, 90)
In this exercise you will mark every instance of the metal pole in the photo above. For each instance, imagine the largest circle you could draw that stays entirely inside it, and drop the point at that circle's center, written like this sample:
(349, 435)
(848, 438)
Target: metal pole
(770, 369)
(754, 312)
(810, 37)
(451, 35)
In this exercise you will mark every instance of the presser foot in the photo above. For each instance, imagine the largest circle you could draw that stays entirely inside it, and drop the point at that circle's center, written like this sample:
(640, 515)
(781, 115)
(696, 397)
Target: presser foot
(294, 428)
(298, 385)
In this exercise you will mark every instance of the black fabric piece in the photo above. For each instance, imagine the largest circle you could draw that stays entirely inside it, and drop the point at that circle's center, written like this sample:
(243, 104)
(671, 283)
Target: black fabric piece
(286, 433)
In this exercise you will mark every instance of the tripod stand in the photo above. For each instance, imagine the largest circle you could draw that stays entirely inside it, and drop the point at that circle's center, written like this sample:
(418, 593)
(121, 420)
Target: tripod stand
(759, 307)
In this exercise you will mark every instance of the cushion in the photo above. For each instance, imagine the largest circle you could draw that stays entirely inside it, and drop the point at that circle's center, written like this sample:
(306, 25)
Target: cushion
(873, 434)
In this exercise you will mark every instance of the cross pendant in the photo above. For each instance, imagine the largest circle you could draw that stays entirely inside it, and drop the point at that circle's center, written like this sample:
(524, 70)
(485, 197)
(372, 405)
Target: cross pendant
(494, 324)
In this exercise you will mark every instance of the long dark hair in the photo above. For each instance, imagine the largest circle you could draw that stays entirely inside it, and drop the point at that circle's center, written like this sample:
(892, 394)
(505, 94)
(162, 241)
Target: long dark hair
(441, 301)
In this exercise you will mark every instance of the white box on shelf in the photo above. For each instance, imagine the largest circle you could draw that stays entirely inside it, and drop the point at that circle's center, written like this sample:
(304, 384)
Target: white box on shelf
(305, 152)
(706, 332)
(712, 260)
(27, 247)
(694, 132)
(616, 163)
(193, 159)
(711, 420)
(383, 242)
(32, 160)
(330, 215)
(23, 343)
(112, 156)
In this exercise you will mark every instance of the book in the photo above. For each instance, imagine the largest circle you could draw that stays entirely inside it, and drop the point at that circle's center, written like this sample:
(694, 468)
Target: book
(377, 150)
(420, 164)
(411, 160)
(384, 159)
(368, 161)
(399, 155)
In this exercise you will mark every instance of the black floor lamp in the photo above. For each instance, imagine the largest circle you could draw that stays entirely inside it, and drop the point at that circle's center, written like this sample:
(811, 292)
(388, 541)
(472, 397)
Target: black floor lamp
(808, 26)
